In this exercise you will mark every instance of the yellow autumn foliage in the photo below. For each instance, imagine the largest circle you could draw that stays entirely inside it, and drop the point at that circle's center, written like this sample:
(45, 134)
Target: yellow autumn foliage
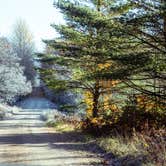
(145, 102)
(113, 107)
(88, 99)
(106, 102)
(105, 84)
(108, 83)
(103, 66)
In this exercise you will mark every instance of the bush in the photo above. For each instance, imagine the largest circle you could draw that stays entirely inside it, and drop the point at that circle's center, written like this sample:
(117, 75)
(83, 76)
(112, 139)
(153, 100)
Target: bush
(140, 120)
(102, 124)
(155, 141)
(141, 113)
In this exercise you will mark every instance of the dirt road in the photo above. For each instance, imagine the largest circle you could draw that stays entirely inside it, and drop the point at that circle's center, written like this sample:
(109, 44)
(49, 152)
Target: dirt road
(25, 141)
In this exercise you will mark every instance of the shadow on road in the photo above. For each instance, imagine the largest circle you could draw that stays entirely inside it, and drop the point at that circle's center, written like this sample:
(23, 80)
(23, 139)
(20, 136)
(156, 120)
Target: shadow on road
(67, 141)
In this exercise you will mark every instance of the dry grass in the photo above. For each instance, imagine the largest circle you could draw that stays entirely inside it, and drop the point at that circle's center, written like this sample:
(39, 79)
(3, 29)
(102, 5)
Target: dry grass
(61, 126)
(120, 146)
(148, 147)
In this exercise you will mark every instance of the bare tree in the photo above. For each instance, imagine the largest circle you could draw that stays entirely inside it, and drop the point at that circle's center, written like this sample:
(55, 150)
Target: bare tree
(22, 40)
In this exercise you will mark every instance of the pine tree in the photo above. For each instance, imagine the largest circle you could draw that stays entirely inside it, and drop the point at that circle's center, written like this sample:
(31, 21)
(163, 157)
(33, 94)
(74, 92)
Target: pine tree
(89, 46)
(147, 25)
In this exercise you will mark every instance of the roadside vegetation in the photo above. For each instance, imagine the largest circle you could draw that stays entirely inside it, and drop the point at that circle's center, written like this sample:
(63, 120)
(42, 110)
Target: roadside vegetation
(112, 53)
(119, 148)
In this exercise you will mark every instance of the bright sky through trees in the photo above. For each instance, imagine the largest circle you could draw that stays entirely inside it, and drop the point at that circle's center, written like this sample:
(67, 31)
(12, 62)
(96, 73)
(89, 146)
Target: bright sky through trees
(38, 14)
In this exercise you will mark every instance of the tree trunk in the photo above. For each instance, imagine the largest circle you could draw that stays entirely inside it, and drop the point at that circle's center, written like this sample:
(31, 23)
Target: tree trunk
(165, 26)
(95, 100)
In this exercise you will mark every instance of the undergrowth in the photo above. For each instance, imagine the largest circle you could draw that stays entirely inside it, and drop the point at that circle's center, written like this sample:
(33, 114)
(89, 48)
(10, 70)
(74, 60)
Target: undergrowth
(134, 136)
(149, 147)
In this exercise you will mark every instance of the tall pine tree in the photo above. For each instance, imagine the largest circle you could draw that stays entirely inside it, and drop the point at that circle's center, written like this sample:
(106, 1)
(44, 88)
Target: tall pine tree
(89, 44)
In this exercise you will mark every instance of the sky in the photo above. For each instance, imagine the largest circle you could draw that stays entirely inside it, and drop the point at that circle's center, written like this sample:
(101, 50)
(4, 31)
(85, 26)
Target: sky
(38, 14)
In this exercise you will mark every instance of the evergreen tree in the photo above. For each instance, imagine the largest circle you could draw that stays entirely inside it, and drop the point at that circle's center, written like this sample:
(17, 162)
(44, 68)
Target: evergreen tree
(89, 46)
(147, 24)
